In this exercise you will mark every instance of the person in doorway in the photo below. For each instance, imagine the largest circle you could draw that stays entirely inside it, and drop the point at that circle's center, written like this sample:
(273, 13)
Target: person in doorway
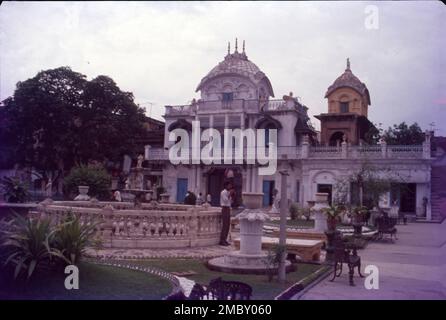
(425, 202)
(225, 203)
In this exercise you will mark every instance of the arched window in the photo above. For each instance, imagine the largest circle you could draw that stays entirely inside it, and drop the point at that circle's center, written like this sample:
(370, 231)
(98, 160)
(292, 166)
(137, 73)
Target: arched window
(336, 138)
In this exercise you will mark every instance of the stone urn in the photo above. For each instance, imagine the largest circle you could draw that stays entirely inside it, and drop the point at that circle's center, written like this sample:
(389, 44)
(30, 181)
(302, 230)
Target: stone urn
(164, 197)
(252, 200)
(320, 218)
(251, 223)
(83, 193)
(149, 195)
(250, 258)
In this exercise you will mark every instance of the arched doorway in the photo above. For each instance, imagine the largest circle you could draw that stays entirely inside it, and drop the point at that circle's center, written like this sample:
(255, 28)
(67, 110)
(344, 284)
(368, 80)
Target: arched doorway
(215, 182)
(336, 138)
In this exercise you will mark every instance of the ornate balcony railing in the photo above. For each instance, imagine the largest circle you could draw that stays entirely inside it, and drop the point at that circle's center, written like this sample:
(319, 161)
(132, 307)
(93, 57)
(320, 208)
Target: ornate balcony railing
(323, 152)
(398, 152)
(241, 105)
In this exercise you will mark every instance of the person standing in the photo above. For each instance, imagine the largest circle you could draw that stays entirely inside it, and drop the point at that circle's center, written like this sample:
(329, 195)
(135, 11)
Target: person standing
(225, 203)
(200, 199)
(117, 196)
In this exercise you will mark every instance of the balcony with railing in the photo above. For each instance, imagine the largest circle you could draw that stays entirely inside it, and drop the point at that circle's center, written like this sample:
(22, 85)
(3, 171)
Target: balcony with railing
(236, 105)
(320, 152)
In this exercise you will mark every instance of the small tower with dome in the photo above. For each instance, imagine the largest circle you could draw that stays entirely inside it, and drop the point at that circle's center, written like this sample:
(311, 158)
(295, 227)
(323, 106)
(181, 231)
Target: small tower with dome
(348, 102)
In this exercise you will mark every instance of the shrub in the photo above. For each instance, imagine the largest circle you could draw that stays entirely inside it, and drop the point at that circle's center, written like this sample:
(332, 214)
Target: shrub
(14, 190)
(96, 177)
(306, 212)
(71, 238)
(273, 260)
(31, 244)
(294, 211)
(28, 242)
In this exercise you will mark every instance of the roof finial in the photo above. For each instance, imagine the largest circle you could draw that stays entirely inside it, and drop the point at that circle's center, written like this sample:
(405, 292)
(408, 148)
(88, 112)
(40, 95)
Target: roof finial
(229, 47)
(235, 44)
(243, 46)
(348, 64)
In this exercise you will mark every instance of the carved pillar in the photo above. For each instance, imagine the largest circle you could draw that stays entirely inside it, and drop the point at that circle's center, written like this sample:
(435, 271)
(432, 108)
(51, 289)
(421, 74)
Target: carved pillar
(384, 149)
(344, 150)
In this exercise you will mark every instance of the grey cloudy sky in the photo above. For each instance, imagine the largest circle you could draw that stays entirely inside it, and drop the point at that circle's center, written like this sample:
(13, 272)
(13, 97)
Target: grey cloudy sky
(160, 51)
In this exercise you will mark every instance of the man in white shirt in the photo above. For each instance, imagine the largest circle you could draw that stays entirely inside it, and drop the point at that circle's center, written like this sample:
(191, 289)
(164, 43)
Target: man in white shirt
(225, 203)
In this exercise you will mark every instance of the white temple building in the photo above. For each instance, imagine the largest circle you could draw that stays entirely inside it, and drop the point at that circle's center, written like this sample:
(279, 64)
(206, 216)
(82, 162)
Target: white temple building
(237, 94)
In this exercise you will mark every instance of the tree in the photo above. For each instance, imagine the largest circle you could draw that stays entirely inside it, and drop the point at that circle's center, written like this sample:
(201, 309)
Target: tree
(40, 118)
(402, 134)
(58, 119)
(372, 136)
(366, 185)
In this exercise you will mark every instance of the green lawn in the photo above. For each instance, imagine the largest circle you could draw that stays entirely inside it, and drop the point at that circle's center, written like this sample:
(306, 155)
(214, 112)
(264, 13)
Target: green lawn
(104, 282)
(95, 282)
(262, 288)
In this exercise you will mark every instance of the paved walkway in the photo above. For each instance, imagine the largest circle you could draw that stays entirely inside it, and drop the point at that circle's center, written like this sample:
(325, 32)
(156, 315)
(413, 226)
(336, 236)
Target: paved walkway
(414, 267)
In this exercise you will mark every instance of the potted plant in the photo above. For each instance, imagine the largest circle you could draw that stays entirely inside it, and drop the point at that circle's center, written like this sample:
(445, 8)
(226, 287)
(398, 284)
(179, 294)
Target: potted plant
(294, 211)
(333, 215)
(358, 218)
(88, 180)
(359, 215)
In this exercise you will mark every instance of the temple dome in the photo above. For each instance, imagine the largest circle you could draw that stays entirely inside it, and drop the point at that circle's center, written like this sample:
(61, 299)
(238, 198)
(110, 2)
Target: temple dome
(237, 64)
(348, 79)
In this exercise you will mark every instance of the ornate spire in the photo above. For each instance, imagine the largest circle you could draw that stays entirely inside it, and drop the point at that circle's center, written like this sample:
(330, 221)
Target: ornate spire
(348, 64)
(236, 45)
(229, 47)
(243, 46)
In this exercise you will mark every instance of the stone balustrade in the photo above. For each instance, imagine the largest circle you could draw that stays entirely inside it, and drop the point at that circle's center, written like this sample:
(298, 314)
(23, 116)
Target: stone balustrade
(236, 105)
(152, 226)
(327, 152)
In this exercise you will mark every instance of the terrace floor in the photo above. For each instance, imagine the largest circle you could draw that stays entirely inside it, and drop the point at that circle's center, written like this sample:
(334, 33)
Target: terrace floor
(411, 268)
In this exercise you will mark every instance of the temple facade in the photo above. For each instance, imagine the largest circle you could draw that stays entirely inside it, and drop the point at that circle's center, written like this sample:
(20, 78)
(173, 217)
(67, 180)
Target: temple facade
(236, 94)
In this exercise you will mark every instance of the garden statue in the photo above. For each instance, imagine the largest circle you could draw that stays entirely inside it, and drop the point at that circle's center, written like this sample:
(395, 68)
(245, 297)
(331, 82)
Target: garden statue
(139, 181)
(276, 201)
(127, 184)
(140, 160)
(49, 189)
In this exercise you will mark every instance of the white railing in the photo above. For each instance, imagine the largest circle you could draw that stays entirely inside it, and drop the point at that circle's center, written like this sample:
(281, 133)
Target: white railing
(325, 152)
(179, 110)
(241, 105)
(153, 226)
(365, 151)
(398, 152)
(322, 152)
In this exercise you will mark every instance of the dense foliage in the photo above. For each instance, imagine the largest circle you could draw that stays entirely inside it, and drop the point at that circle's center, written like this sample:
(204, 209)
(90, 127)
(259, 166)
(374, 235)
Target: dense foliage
(96, 177)
(58, 119)
(14, 190)
(402, 134)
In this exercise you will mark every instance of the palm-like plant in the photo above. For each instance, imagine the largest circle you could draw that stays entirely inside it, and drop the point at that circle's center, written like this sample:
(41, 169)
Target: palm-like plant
(333, 216)
(333, 211)
(14, 190)
(72, 237)
(28, 243)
